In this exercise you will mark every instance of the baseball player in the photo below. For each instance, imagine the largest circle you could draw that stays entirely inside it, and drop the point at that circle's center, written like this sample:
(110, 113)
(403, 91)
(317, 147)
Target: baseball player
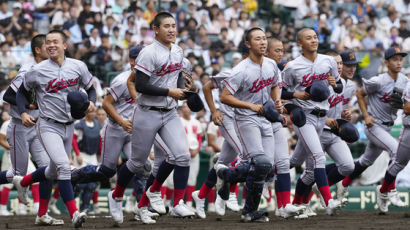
(24, 139)
(379, 116)
(281, 160)
(248, 88)
(224, 118)
(53, 80)
(157, 72)
(386, 191)
(312, 72)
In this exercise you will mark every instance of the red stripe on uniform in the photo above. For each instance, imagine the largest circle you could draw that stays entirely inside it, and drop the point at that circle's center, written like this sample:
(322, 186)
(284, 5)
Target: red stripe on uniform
(143, 68)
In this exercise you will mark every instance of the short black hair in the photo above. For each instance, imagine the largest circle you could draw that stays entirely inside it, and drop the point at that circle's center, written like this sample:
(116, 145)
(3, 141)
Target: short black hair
(59, 32)
(332, 53)
(37, 41)
(249, 32)
(161, 16)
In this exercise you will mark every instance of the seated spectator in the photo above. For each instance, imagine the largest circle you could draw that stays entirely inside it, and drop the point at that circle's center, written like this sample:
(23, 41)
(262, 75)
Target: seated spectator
(104, 53)
(361, 9)
(202, 38)
(144, 37)
(341, 32)
(323, 29)
(394, 38)
(95, 40)
(4, 11)
(392, 18)
(351, 42)
(276, 28)
(370, 41)
(22, 48)
(403, 31)
(233, 11)
(61, 16)
(116, 39)
(243, 20)
(150, 13)
(307, 9)
(6, 59)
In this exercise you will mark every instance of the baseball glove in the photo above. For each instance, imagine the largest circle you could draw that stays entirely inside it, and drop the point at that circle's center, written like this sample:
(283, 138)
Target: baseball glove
(395, 100)
(32, 100)
(189, 81)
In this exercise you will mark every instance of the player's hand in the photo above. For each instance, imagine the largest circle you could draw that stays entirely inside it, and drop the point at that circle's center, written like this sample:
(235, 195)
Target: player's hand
(332, 81)
(369, 121)
(27, 120)
(32, 107)
(346, 114)
(79, 159)
(332, 123)
(217, 117)
(177, 94)
(279, 106)
(301, 95)
(127, 125)
(257, 108)
(91, 107)
(285, 121)
(188, 83)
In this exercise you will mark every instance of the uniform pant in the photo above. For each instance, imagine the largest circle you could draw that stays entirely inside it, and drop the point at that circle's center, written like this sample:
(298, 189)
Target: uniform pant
(231, 146)
(402, 157)
(57, 142)
(281, 160)
(114, 140)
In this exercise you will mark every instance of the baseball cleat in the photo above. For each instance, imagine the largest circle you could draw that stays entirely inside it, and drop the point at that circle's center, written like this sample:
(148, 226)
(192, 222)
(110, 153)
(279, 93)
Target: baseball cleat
(333, 206)
(395, 199)
(78, 219)
(47, 220)
(115, 206)
(232, 203)
(22, 191)
(21, 210)
(265, 191)
(256, 216)
(382, 199)
(315, 189)
(341, 191)
(142, 214)
(181, 210)
(199, 205)
(219, 206)
(156, 201)
(129, 205)
(278, 212)
(53, 207)
(211, 207)
(291, 210)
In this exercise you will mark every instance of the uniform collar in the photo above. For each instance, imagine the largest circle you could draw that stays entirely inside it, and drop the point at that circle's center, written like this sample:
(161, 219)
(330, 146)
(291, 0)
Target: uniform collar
(160, 44)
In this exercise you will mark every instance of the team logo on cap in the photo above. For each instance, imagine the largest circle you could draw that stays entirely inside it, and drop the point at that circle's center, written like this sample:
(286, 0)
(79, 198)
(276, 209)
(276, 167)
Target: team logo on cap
(397, 50)
(351, 56)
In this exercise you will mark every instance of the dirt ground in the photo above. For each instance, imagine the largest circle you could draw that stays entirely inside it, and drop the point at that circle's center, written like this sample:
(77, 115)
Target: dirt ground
(346, 220)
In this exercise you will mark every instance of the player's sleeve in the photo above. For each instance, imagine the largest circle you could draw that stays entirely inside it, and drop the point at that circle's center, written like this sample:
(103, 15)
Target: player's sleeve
(86, 77)
(145, 61)
(333, 69)
(29, 79)
(234, 82)
(18, 80)
(117, 89)
(406, 93)
(371, 85)
(288, 77)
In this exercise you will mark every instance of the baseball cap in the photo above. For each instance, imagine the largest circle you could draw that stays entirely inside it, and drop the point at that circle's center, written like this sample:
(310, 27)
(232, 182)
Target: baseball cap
(390, 52)
(237, 55)
(270, 112)
(319, 91)
(348, 57)
(78, 103)
(134, 51)
(17, 5)
(145, 25)
(347, 131)
(276, 20)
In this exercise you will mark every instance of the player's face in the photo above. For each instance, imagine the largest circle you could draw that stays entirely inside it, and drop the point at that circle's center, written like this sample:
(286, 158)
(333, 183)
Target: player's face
(167, 31)
(339, 62)
(258, 43)
(395, 63)
(348, 71)
(43, 54)
(55, 45)
(309, 41)
(275, 52)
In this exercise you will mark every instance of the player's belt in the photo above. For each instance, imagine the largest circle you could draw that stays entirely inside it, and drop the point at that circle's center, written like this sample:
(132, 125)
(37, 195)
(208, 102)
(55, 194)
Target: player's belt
(326, 129)
(57, 122)
(319, 112)
(388, 123)
(164, 110)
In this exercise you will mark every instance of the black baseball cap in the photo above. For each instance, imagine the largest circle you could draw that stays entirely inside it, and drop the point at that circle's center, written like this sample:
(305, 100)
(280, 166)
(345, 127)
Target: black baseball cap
(348, 57)
(134, 51)
(390, 52)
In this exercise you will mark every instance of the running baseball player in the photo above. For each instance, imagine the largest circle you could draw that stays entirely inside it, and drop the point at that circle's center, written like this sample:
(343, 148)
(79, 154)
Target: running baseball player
(24, 139)
(224, 119)
(386, 191)
(312, 72)
(379, 116)
(248, 88)
(157, 72)
(53, 80)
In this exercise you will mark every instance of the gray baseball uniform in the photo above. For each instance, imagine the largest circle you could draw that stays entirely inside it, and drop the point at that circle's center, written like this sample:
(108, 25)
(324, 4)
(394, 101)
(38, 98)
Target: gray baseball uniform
(231, 146)
(22, 139)
(297, 76)
(402, 156)
(157, 114)
(333, 144)
(55, 129)
(252, 83)
(379, 90)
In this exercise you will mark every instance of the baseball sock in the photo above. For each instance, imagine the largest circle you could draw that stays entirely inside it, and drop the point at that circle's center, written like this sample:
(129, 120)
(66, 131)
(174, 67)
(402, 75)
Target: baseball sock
(321, 181)
(144, 201)
(124, 177)
(180, 182)
(95, 197)
(208, 185)
(168, 193)
(204, 191)
(36, 176)
(211, 196)
(358, 169)
(3, 177)
(329, 167)
(56, 193)
(35, 192)
(67, 194)
(282, 189)
(4, 198)
(334, 176)
(300, 191)
(388, 183)
(163, 191)
(44, 193)
(189, 190)
(163, 172)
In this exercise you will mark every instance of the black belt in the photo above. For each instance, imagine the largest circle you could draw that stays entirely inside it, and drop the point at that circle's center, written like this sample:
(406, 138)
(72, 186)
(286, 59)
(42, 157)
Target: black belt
(388, 123)
(319, 112)
(163, 110)
(57, 122)
(326, 129)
